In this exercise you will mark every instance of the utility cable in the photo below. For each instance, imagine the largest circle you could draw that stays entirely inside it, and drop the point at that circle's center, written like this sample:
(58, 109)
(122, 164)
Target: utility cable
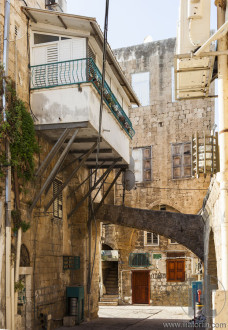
(102, 83)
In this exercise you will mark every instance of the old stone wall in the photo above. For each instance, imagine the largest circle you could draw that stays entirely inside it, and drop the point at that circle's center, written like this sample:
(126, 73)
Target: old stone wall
(159, 124)
(49, 238)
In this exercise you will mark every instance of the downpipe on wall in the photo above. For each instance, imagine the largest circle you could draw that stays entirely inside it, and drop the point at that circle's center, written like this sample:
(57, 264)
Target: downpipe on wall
(8, 176)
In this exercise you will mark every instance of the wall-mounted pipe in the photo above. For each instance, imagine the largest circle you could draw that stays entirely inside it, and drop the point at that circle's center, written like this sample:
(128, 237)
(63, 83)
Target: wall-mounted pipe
(8, 174)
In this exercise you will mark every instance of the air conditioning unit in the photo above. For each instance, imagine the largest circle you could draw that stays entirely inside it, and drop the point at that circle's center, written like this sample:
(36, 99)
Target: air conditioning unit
(57, 5)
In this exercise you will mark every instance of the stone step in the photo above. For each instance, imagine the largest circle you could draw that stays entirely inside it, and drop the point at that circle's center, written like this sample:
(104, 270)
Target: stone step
(110, 296)
(108, 303)
(111, 282)
(105, 299)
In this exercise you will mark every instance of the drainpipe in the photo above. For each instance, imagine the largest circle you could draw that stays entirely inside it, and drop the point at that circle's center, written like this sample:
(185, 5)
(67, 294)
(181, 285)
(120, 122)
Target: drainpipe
(8, 174)
(223, 142)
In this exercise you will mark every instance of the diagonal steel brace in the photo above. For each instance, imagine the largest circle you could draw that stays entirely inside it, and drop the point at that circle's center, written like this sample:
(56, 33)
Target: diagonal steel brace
(84, 159)
(54, 170)
(52, 153)
(94, 186)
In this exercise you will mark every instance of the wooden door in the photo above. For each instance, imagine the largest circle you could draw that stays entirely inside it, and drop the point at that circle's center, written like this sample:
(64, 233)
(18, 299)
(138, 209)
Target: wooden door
(141, 287)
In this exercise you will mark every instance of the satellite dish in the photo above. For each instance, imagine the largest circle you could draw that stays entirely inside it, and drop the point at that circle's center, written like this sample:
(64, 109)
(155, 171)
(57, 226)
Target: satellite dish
(128, 180)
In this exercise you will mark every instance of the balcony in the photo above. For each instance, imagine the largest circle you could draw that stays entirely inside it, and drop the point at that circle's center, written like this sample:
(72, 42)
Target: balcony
(77, 72)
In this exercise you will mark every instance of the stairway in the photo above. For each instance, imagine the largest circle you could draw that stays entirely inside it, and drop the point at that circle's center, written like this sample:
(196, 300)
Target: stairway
(111, 282)
(109, 300)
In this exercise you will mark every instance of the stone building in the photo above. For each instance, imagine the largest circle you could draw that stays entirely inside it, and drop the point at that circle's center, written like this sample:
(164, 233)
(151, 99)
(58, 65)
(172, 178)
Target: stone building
(166, 180)
(56, 59)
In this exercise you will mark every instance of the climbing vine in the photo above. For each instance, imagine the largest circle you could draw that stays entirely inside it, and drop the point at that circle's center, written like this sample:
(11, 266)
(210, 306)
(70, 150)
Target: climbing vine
(18, 129)
(20, 132)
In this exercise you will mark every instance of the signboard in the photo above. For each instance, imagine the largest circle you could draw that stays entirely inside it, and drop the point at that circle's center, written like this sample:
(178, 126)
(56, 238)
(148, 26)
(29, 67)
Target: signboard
(157, 256)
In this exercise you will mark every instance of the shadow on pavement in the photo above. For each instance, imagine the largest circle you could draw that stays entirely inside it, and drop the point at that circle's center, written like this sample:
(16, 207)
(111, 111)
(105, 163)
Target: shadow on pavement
(125, 323)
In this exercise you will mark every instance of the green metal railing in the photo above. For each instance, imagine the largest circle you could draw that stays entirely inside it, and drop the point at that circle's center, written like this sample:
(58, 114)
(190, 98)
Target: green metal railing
(77, 72)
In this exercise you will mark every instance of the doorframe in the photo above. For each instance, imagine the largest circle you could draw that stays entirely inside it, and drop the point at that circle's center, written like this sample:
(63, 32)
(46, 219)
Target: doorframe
(137, 271)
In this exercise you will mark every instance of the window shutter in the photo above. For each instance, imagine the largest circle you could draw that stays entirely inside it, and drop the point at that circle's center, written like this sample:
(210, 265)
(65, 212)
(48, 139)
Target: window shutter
(58, 203)
(175, 270)
(181, 160)
(52, 69)
(137, 155)
(180, 273)
(39, 74)
(171, 270)
(78, 51)
(147, 164)
(78, 48)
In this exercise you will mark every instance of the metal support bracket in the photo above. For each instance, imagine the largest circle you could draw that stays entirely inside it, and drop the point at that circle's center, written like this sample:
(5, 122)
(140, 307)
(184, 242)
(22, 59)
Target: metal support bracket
(84, 158)
(92, 188)
(107, 192)
(52, 153)
(54, 170)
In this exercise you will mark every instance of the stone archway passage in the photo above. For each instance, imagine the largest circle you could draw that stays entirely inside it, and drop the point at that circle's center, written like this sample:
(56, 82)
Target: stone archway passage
(186, 229)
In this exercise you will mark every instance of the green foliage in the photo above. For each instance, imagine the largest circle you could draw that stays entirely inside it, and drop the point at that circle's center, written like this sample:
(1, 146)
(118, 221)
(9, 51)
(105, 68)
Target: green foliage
(20, 132)
(18, 223)
(18, 286)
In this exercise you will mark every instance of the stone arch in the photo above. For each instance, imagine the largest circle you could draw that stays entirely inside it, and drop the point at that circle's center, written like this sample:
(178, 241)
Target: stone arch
(24, 257)
(186, 229)
(106, 246)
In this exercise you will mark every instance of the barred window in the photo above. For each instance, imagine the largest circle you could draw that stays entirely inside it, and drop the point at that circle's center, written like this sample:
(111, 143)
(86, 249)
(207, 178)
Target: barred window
(139, 259)
(58, 203)
(181, 160)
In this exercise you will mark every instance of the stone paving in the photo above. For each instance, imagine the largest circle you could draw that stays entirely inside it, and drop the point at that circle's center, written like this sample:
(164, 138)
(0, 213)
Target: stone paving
(137, 317)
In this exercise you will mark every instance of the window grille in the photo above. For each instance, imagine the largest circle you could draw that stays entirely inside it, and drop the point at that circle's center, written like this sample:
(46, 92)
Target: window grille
(71, 262)
(58, 203)
(181, 160)
(205, 154)
(139, 259)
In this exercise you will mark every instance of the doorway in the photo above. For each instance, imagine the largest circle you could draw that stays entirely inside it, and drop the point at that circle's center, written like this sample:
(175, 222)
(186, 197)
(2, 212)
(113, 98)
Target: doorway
(141, 287)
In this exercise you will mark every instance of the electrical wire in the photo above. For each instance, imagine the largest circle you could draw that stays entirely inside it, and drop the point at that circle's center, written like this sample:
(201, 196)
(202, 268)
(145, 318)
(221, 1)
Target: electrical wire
(102, 83)
(99, 133)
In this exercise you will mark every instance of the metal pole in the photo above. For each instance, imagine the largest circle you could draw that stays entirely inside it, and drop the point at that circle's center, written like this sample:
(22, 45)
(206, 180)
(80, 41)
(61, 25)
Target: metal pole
(8, 173)
(223, 142)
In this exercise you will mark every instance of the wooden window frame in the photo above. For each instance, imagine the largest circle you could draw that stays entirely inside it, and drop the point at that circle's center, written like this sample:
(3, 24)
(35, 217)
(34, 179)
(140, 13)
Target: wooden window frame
(168, 270)
(144, 160)
(58, 202)
(182, 155)
(150, 244)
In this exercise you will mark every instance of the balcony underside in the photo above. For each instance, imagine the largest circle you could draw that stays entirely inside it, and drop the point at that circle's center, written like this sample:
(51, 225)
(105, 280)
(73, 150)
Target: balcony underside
(85, 139)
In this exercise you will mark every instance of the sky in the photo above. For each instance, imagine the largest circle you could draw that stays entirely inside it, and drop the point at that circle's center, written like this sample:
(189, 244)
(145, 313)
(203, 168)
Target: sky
(130, 21)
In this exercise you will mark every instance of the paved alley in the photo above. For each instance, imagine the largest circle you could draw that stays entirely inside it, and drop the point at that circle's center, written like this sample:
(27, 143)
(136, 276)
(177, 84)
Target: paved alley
(137, 317)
